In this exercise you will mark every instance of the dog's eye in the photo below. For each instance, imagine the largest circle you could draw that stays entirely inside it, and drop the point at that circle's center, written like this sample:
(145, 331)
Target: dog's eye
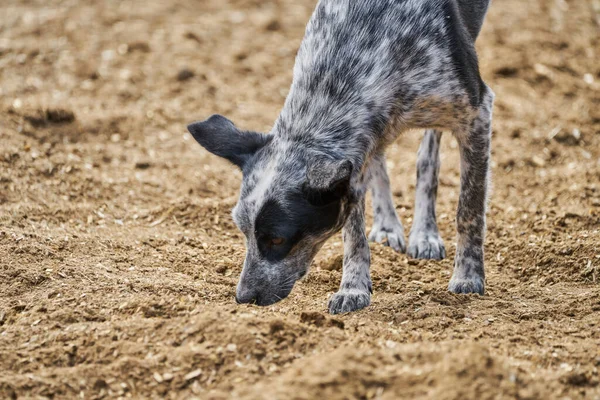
(276, 241)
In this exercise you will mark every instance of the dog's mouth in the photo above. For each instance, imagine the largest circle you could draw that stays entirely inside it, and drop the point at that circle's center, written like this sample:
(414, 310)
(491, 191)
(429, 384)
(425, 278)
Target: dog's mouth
(264, 298)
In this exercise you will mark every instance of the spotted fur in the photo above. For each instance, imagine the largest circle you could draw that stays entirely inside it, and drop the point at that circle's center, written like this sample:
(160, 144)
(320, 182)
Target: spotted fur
(425, 240)
(365, 72)
(387, 228)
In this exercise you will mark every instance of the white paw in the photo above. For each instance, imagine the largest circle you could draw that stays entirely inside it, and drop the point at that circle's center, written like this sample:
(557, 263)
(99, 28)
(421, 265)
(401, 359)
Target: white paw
(427, 245)
(348, 300)
(391, 235)
(467, 285)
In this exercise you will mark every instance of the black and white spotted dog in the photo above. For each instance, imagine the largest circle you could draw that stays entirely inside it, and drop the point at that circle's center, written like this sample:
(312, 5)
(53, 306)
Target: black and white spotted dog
(365, 72)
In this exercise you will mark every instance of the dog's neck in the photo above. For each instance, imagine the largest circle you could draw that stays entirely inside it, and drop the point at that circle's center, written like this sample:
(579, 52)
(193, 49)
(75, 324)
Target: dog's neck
(340, 130)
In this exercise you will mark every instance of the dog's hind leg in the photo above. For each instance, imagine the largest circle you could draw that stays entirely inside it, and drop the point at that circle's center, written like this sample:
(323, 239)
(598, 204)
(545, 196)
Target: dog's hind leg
(474, 143)
(424, 239)
(387, 228)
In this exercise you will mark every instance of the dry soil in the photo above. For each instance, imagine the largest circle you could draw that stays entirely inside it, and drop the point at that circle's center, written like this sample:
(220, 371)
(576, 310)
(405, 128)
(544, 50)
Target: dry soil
(119, 258)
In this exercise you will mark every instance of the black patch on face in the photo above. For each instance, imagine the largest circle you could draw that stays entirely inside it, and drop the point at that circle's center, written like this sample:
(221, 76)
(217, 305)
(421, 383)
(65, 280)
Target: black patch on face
(298, 220)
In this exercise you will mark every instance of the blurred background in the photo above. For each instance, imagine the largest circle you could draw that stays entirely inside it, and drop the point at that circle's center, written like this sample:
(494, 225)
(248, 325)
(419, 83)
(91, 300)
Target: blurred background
(118, 256)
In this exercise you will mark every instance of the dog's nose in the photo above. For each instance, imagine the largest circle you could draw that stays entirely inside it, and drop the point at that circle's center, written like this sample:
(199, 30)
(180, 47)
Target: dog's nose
(245, 297)
(243, 300)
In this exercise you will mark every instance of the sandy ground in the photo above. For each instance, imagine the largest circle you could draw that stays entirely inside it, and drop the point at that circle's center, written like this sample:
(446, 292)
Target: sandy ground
(119, 258)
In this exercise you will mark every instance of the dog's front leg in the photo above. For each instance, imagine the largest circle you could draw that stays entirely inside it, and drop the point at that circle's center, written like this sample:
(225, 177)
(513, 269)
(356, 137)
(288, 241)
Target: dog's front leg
(474, 142)
(355, 289)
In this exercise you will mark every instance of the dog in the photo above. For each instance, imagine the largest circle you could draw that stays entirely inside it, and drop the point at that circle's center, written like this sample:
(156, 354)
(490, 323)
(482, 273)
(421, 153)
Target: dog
(365, 72)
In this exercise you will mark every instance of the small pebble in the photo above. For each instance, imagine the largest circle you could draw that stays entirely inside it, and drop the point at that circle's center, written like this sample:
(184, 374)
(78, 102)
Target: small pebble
(185, 74)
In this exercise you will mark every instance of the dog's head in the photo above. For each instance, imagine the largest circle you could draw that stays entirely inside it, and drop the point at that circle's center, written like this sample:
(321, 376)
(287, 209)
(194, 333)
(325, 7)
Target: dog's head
(291, 201)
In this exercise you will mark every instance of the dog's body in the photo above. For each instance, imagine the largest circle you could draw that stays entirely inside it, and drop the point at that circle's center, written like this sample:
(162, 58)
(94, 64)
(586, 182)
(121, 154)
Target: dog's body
(366, 71)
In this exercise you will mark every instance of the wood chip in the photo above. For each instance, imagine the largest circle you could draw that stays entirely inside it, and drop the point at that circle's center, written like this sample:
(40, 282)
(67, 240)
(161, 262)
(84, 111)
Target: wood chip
(162, 217)
(538, 161)
(193, 375)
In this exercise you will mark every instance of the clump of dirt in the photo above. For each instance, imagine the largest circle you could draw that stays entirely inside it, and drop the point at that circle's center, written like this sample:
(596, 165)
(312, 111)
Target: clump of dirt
(333, 263)
(41, 118)
(391, 371)
(185, 74)
(119, 258)
(319, 320)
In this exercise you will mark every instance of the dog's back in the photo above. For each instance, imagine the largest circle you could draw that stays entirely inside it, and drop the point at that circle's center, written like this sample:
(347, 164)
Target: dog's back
(364, 66)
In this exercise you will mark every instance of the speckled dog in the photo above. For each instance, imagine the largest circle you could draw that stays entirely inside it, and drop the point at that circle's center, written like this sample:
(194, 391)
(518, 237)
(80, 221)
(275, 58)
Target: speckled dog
(365, 72)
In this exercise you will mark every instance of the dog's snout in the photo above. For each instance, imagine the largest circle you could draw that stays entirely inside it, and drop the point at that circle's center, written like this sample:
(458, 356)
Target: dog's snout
(246, 299)
(246, 296)
(258, 297)
(258, 287)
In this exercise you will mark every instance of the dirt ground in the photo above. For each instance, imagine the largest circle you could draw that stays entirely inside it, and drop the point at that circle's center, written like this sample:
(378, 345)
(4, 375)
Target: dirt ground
(119, 258)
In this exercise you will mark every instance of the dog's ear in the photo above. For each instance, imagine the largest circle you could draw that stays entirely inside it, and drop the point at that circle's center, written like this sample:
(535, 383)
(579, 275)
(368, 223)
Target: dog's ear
(220, 136)
(327, 181)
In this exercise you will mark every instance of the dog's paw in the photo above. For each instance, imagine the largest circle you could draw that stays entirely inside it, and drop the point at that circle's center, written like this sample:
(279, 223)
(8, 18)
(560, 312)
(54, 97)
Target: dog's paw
(348, 300)
(392, 236)
(426, 245)
(473, 284)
